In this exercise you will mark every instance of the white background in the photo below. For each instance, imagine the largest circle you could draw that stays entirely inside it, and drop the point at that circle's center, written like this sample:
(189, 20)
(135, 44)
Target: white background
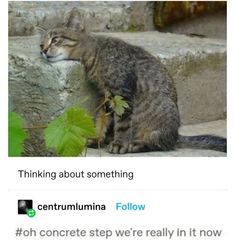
(178, 192)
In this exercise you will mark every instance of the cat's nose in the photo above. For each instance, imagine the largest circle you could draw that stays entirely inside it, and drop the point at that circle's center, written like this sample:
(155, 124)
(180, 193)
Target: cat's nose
(44, 51)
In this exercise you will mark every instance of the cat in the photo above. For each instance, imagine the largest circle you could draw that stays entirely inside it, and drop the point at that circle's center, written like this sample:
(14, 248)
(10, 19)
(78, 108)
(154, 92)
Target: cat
(151, 120)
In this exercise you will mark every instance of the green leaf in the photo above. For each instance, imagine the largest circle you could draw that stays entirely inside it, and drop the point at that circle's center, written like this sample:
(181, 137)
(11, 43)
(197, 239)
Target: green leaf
(68, 133)
(16, 135)
(119, 105)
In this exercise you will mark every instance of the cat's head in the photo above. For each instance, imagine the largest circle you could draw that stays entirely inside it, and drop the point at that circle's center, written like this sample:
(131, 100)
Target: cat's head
(59, 43)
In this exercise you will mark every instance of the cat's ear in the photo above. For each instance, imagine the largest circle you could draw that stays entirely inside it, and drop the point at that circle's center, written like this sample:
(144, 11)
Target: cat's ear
(40, 29)
(75, 21)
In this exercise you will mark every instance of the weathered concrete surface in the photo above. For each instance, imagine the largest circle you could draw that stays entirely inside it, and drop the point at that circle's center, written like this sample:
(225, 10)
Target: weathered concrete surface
(106, 16)
(98, 16)
(40, 91)
(209, 25)
(141, 16)
(214, 127)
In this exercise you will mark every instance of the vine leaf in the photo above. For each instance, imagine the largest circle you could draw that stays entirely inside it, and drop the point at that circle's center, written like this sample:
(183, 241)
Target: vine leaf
(16, 135)
(68, 133)
(119, 105)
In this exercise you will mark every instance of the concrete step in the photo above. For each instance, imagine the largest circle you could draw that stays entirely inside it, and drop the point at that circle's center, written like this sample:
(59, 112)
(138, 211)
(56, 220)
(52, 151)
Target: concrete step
(102, 16)
(214, 127)
(209, 25)
(40, 91)
(106, 16)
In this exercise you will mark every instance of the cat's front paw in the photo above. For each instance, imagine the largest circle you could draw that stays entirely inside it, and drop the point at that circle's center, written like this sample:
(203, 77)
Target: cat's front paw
(117, 147)
(138, 146)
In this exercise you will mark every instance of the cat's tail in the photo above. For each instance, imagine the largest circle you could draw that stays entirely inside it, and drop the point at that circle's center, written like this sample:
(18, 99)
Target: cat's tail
(209, 142)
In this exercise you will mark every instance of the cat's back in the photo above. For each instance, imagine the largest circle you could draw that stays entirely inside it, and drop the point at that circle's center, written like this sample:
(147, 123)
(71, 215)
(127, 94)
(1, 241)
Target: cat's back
(119, 57)
(119, 50)
(114, 48)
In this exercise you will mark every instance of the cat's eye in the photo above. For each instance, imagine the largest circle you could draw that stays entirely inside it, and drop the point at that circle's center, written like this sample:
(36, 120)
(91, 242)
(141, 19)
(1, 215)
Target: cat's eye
(55, 40)
(41, 46)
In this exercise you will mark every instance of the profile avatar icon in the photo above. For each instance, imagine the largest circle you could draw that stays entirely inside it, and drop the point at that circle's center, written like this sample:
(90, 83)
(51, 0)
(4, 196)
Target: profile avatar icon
(24, 206)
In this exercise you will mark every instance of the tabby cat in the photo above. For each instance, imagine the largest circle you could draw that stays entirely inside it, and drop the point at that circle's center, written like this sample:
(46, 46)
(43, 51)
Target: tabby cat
(151, 121)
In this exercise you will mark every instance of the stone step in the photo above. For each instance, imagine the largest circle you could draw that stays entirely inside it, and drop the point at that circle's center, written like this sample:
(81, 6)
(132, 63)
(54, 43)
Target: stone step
(209, 25)
(40, 91)
(104, 16)
(109, 16)
(214, 127)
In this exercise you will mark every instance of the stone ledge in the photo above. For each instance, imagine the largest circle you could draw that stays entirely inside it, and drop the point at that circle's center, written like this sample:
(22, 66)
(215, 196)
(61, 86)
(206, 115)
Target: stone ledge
(98, 16)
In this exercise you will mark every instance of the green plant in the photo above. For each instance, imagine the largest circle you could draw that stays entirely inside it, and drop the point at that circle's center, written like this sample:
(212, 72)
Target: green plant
(16, 135)
(118, 105)
(68, 133)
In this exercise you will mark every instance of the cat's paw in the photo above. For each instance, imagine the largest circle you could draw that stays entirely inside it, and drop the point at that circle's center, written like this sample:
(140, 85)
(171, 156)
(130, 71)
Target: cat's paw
(137, 146)
(117, 147)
